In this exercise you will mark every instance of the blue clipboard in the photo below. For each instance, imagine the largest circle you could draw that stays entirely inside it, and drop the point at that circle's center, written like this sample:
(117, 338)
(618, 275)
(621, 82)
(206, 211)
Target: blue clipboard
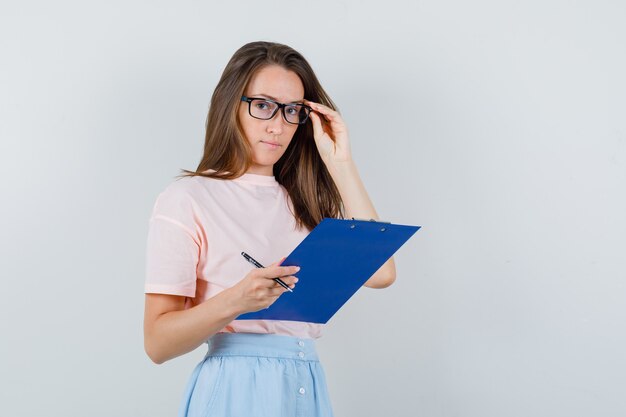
(336, 259)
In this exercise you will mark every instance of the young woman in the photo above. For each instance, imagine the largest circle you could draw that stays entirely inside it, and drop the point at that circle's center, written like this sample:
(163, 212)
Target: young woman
(276, 162)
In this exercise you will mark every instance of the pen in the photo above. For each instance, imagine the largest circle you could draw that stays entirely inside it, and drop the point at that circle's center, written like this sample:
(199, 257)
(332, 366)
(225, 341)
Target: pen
(258, 265)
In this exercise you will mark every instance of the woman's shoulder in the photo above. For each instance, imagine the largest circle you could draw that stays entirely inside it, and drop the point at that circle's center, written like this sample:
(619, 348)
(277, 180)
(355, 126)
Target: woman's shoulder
(182, 194)
(182, 187)
(191, 190)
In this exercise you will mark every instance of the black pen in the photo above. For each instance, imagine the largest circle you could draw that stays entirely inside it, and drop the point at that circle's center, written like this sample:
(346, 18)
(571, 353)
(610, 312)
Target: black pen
(258, 265)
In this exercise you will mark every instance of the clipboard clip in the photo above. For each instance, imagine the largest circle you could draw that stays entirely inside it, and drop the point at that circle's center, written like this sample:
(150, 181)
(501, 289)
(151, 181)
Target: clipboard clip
(382, 229)
(370, 220)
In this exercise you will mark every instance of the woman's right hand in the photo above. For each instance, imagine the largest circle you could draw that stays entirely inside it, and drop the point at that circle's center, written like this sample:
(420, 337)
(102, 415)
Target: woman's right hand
(258, 290)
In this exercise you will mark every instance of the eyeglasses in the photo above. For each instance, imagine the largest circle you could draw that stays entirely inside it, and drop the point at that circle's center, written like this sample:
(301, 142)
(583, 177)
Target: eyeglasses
(265, 109)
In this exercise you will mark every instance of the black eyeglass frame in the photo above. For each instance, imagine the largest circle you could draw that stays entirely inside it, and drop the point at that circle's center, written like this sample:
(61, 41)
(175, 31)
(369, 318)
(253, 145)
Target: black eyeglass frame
(281, 106)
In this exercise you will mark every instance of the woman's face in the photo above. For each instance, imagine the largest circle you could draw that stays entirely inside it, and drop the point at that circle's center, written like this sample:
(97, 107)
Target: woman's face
(269, 138)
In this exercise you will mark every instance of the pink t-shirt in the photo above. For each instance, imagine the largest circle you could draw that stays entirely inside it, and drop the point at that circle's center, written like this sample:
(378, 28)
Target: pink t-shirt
(198, 229)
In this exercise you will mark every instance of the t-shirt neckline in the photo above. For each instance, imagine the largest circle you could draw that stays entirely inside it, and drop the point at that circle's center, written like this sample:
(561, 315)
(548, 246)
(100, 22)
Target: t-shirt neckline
(257, 179)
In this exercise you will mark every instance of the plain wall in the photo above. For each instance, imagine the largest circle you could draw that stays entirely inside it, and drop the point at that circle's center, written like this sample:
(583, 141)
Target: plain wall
(496, 125)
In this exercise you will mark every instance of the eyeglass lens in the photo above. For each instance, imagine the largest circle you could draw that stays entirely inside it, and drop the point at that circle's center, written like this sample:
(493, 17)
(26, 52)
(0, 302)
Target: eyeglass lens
(294, 113)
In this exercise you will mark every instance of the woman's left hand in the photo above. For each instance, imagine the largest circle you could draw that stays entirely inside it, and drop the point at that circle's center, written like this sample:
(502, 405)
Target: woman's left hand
(330, 133)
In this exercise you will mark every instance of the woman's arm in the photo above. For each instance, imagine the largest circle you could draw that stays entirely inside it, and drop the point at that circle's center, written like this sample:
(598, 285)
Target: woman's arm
(331, 137)
(170, 330)
(357, 204)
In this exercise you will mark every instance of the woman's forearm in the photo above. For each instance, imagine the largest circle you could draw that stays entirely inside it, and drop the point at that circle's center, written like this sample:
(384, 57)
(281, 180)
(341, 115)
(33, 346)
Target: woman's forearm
(357, 204)
(177, 332)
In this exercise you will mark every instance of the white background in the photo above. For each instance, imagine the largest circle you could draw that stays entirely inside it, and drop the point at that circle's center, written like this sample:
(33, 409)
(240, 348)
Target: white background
(496, 125)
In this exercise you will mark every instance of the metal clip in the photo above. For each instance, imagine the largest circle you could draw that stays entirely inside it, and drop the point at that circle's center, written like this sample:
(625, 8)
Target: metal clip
(371, 220)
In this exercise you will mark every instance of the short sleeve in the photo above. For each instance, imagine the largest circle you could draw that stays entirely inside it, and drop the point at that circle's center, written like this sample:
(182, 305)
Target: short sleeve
(172, 247)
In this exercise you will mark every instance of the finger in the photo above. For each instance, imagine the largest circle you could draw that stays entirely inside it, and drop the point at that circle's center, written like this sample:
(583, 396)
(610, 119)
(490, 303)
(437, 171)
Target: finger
(276, 292)
(318, 131)
(326, 118)
(290, 281)
(278, 262)
(271, 283)
(275, 288)
(325, 110)
(279, 271)
(275, 270)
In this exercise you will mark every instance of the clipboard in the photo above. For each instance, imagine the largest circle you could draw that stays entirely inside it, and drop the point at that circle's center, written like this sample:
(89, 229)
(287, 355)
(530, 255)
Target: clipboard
(336, 259)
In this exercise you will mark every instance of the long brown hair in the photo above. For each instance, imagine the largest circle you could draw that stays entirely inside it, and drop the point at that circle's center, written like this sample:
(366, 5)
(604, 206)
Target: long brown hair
(228, 155)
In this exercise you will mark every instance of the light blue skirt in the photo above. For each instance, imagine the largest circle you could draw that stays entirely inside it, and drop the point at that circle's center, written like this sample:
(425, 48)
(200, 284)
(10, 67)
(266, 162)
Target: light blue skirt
(257, 375)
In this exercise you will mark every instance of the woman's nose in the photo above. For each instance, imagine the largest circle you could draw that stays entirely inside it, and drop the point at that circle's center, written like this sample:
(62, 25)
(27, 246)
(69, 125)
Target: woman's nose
(275, 124)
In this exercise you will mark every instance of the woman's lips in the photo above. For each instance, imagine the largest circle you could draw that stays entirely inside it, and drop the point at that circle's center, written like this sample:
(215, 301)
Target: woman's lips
(272, 145)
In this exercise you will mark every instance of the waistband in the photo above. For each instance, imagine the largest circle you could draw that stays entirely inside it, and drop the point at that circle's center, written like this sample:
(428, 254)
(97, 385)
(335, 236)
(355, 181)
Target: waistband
(262, 345)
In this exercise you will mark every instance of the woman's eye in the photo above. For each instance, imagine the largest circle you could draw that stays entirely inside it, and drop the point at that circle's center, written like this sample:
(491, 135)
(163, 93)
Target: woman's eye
(292, 110)
(262, 105)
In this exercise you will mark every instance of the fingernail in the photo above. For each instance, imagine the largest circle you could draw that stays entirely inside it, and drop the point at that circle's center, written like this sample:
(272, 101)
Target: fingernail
(295, 280)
